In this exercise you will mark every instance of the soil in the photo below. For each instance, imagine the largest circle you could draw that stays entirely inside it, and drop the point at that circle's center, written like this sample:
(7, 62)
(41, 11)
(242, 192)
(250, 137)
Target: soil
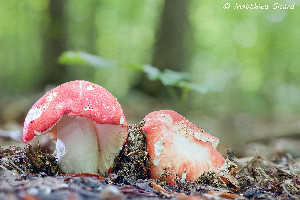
(132, 163)
(31, 174)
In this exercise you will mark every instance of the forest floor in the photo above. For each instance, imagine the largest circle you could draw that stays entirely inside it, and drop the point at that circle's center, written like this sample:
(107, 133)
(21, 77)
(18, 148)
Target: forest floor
(31, 174)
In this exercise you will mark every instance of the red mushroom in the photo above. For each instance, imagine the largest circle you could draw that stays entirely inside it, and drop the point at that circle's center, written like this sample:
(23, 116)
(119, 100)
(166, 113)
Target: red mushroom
(85, 120)
(177, 146)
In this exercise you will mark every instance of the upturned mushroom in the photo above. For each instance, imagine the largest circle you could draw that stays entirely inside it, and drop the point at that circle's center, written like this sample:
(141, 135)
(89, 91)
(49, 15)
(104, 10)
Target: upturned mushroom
(178, 147)
(85, 120)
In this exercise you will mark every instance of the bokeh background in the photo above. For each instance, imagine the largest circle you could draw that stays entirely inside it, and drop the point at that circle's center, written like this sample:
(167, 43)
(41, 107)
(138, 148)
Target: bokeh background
(238, 70)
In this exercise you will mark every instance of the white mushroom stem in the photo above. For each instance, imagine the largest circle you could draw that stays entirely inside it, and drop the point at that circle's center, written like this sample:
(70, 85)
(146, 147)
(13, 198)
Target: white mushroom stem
(85, 146)
(77, 146)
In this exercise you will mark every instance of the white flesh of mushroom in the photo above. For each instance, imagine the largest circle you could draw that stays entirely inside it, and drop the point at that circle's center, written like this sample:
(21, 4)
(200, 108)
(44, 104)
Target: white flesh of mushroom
(77, 146)
(85, 146)
(111, 138)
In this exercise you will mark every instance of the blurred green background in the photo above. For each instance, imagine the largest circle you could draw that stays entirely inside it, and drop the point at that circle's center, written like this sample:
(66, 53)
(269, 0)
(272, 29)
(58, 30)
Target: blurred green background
(239, 68)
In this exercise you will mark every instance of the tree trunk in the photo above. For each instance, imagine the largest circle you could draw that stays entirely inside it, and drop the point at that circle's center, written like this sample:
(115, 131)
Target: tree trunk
(170, 46)
(55, 42)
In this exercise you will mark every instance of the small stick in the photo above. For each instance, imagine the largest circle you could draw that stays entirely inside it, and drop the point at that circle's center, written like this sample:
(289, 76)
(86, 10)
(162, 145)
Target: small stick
(288, 193)
(143, 166)
(18, 168)
(158, 187)
(251, 161)
(133, 152)
(272, 164)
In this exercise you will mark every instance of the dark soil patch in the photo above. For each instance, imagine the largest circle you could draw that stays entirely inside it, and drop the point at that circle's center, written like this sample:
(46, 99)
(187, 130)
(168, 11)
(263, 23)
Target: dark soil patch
(133, 163)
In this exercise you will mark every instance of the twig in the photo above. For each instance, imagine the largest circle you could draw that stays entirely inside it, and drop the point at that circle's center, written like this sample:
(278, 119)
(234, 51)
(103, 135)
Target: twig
(143, 166)
(18, 168)
(272, 165)
(3, 167)
(33, 156)
(288, 193)
(133, 152)
(160, 189)
(247, 164)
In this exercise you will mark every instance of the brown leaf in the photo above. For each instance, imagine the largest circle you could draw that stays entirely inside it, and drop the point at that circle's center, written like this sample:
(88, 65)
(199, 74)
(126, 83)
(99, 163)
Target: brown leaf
(223, 195)
(133, 191)
(31, 197)
(230, 181)
(181, 196)
(100, 178)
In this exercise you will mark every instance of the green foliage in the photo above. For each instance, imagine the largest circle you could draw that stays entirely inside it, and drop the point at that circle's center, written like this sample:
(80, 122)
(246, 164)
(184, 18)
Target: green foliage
(82, 58)
(167, 77)
(152, 72)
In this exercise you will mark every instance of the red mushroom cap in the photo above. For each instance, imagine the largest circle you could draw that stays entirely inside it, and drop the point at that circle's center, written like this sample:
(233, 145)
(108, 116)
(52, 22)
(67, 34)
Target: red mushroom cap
(177, 146)
(75, 98)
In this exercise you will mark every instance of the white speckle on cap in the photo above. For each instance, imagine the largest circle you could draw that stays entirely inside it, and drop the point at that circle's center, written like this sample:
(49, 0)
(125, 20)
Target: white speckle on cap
(90, 87)
(204, 138)
(148, 119)
(122, 120)
(159, 146)
(80, 88)
(86, 108)
(197, 135)
(33, 114)
(156, 161)
(165, 118)
(183, 177)
(51, 96)
(37, 132)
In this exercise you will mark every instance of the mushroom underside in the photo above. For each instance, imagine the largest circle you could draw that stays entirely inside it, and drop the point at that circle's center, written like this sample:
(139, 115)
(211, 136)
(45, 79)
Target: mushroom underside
(85, 146)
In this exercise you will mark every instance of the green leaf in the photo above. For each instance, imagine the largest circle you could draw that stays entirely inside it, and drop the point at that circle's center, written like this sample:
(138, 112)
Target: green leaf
(133, 66)
(152, 72)
(82, 58)
(167, 77)
(196, 87)
(171, 78)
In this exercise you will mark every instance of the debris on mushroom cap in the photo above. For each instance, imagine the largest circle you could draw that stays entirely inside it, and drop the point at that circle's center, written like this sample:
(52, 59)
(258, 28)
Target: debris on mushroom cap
(75, 98)
(179, 147)
(87, 122)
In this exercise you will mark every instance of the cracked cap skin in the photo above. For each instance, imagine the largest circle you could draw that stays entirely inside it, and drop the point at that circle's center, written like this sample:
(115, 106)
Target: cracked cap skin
(179, 147)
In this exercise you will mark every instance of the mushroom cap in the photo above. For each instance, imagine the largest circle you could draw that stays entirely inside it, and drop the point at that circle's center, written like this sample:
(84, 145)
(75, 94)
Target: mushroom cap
(76, 98)
(177, 146)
